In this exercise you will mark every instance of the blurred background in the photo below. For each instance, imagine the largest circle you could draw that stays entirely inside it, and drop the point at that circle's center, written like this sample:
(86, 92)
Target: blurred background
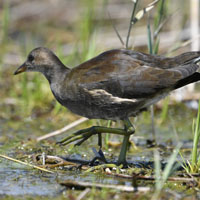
(76, 31)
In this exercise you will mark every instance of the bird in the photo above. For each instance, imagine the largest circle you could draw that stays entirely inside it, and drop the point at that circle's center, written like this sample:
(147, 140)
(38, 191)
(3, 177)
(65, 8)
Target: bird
(115, 85)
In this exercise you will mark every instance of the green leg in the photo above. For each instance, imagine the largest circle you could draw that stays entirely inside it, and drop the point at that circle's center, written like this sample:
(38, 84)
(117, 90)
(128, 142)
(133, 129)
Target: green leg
(84, 134)
(122, 155)
(130, 130)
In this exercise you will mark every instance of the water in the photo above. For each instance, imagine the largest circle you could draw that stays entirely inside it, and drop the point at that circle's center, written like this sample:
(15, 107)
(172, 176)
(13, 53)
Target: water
(17, 141)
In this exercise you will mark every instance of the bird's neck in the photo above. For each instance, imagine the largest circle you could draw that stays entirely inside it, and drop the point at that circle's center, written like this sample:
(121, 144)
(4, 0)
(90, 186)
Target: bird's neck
(56, 74)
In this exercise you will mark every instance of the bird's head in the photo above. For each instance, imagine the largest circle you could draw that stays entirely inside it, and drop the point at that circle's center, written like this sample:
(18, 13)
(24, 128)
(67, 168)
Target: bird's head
(40, 59)
(45, 61)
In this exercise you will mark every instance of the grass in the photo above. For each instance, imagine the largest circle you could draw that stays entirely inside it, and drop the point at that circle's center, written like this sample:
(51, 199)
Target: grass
(195, 160)
(32, 90)
(153, 47)
(161, 177)
(193, 166)
(153, 38)
(131, 22)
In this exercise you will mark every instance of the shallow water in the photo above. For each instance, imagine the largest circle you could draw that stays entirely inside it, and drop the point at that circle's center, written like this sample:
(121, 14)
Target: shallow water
(19, 182)
(17, 141)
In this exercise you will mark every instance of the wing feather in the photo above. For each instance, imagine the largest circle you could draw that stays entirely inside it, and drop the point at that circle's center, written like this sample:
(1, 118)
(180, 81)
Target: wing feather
(129, 74)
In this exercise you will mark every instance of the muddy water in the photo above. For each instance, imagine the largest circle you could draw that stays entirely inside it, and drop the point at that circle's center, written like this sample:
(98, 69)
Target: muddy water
(17, 141)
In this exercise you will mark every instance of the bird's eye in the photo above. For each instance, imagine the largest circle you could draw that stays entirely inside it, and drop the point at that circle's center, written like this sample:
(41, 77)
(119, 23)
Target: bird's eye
(30, 58)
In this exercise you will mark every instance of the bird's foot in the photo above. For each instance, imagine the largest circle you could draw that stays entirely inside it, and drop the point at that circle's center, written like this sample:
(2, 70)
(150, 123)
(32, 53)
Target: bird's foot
(80, 136)
(84, 134)
(98, 156)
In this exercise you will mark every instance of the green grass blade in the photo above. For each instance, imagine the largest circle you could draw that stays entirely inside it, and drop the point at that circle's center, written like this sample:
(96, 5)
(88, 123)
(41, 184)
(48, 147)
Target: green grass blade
(160, 180)
(157, 169)
(168, 169)
(160, 13)
(150, 44)
(131, 22)
(165, 110)
(196, 140)
(156, 46)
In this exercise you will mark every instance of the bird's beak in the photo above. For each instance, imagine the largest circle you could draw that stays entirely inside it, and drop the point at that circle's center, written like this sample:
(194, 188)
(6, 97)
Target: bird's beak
(21, 69)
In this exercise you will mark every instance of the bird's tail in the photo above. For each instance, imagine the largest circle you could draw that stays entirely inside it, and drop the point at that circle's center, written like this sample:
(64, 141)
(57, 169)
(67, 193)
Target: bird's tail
(190, 79)
(187, 58)
(197, 60)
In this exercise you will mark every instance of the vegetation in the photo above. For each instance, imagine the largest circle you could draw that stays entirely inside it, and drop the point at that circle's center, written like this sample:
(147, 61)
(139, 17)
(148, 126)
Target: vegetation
(28, 109)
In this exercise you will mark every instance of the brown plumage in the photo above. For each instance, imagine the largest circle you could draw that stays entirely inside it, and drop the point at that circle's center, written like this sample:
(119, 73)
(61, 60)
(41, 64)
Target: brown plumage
(116, 84)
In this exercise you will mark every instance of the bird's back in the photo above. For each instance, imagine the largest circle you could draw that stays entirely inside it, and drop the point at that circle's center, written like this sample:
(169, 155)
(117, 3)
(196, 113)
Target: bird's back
(131, 74)
(119, 83)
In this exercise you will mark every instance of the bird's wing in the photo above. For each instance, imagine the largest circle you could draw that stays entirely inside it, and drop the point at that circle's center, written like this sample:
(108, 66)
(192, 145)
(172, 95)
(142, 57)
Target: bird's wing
(128, 76)
(161, 61)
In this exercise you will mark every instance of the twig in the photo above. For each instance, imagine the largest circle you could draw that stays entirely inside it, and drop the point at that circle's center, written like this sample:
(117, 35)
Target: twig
(66, 128)
(161, 25)
(131, 22)
(24, 163)
(116, 31)
(53, 161)
(150, 178)
(82, 194)
(169, 179)
(83, 185)
(138, 16)
(145, 10)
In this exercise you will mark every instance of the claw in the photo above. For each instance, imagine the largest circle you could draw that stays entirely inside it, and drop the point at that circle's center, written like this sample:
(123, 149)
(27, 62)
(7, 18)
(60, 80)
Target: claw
(59, 143)
(82, 135)
(98, 156)
(102, 155)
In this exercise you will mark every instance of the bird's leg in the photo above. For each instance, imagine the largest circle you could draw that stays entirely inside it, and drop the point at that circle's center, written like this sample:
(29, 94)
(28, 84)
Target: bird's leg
(84, 134)
(100, 152)
(129, 130)
(100, 140)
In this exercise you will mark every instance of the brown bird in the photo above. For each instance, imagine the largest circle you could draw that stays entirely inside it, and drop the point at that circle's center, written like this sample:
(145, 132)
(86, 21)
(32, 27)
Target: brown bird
(115, 85)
